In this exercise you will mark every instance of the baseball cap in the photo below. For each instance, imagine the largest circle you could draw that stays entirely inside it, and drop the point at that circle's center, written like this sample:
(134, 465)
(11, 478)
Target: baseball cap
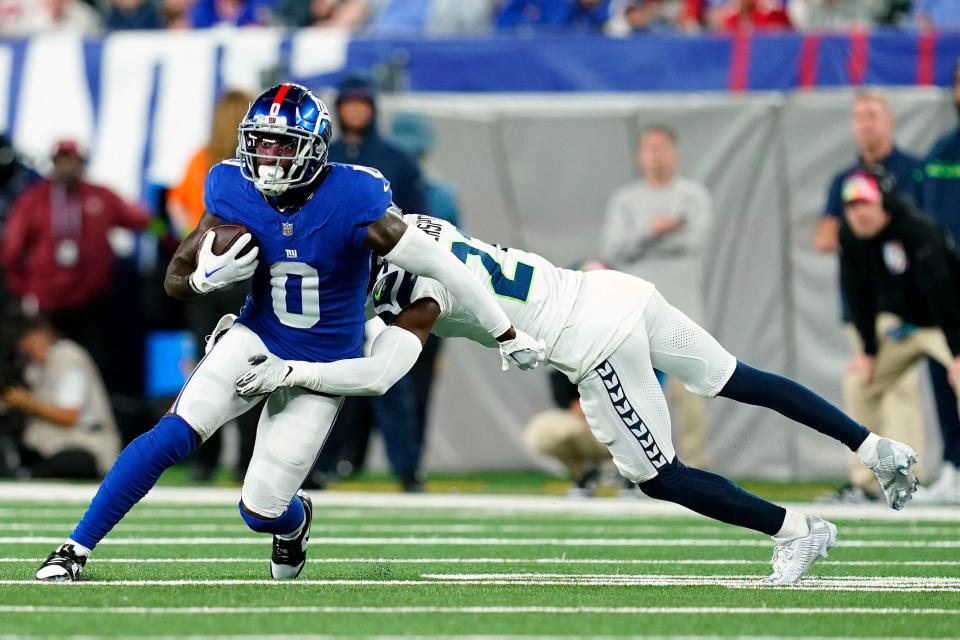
(68, 148)
(861, 187)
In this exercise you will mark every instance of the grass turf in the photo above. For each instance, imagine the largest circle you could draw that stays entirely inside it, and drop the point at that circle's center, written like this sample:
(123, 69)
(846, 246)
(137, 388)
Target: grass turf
(401, 571)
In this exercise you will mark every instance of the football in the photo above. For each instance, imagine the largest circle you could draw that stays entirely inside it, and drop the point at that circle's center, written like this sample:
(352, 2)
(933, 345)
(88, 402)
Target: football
(225, 235)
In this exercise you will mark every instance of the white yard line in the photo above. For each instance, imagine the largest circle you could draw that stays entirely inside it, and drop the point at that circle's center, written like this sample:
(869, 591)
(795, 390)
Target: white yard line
(560, 527)
(485, 610)
(54, 492)
(883, 584)
(460, 541)
(515, 561)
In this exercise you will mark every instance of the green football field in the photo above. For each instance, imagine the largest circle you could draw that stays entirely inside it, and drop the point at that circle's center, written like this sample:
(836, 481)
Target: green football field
(184, 565)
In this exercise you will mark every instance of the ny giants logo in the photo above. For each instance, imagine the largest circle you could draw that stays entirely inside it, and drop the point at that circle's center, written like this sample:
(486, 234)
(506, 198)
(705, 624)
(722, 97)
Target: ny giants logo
(629, 416)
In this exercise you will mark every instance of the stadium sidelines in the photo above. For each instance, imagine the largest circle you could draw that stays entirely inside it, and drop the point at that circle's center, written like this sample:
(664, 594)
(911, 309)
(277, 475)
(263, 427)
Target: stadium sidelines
(16, 492)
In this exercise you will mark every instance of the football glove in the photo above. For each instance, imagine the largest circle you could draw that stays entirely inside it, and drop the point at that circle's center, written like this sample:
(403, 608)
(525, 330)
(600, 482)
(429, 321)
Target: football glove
(268, 374)
(215, 272)
(522, 351)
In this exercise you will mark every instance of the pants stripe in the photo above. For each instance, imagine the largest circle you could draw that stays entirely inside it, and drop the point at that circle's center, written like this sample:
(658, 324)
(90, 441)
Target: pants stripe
(629, 416)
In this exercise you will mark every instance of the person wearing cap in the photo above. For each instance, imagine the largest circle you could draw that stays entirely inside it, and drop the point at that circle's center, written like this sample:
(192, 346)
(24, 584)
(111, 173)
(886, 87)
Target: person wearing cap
(55, 253)
(941, 195)
(894, 260)
(361, 143)
(873, 126)
(394, 413)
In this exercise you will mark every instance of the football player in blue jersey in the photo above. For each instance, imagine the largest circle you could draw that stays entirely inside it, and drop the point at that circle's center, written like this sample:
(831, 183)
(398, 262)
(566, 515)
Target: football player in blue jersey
(315, 226)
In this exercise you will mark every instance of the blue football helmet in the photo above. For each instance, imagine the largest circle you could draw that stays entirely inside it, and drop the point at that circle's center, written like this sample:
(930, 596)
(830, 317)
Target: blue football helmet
(284, 139)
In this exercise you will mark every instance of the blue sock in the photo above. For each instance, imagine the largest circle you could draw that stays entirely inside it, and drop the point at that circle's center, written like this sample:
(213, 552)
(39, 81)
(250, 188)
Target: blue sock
(284, 524)
(136, 470)
(715, 497)
(946, 401)
(795, 401)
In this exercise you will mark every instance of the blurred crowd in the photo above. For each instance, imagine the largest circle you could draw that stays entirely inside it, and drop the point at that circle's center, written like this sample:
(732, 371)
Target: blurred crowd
(613, 17)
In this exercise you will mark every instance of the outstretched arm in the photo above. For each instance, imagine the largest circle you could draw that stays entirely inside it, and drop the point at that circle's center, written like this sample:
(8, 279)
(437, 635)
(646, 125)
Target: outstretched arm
(184, 262)
(393, 354)
(196, 270)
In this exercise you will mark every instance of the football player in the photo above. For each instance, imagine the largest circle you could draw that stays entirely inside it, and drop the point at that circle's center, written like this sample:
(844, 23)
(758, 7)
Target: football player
(606, 331)
(314, 225)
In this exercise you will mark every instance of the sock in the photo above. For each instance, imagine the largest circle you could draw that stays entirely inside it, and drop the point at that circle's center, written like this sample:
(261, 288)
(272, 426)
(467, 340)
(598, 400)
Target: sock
(714, 496)
(794, 526)
(79, 548)
(795, 401)
(136, 470)
(287, 525)
(867, 452)
(946, 401)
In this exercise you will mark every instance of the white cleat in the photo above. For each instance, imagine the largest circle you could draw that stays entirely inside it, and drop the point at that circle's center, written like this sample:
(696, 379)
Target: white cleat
(894, 471)
(946, 489)
(65, 564)
(290, 556)
(792, 559)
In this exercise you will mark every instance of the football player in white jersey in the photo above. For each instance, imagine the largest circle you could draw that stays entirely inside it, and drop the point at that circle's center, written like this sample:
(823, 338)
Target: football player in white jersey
(606, 331)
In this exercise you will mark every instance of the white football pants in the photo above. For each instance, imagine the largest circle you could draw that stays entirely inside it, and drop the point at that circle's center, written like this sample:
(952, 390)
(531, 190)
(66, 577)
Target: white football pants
(293, 424)
(622, 398)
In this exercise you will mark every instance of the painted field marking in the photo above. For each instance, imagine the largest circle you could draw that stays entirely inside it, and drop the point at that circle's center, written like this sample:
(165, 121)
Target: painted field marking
(883, 584)
(519, 542)
(515, 561)
(474, 528)
(486, 610)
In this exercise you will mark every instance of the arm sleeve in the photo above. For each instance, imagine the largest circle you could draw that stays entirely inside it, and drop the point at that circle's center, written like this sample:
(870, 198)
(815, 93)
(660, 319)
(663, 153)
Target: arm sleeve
(834, 205)
(417, 253)
(860, 293)
(393, 354)
(933, 275)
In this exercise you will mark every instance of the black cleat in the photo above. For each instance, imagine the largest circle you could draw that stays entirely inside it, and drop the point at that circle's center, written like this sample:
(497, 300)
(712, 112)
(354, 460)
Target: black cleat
(289, 556)
(63, 565)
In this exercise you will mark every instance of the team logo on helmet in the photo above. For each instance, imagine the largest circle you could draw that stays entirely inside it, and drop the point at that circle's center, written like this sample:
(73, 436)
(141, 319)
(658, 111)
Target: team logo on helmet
(284, 139)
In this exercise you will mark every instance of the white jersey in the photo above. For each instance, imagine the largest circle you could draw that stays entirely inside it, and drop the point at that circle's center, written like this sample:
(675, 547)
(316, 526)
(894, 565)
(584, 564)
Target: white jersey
(537, 297)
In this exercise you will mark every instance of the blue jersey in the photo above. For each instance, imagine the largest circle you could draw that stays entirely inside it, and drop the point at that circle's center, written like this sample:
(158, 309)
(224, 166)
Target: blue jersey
(309, 289)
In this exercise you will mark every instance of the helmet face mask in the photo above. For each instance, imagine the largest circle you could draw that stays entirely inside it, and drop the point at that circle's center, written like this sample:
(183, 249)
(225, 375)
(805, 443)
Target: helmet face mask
(284, 139)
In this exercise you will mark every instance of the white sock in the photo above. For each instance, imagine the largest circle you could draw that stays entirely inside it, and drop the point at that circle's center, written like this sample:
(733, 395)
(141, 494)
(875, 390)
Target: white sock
(794, 526)
(79, 548)
(867, 452)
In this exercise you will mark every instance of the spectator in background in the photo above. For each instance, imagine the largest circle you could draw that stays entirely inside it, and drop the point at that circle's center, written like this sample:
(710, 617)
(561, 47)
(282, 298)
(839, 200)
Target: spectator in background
(238, 13)
(459, 16)
(657, 228)
(70, 430)
(941, 200)
(185, 200)
(185, 206)
(749, 15)
(132, 15)
(639, 17)
(826, 15)
(936, 14)
(414, 134)
(26, 17)
(584, 14)
(360, 142)
(176, 14)
(394, 413)
(900, 414)
(342, 14)
(15, 177)
(55, 252)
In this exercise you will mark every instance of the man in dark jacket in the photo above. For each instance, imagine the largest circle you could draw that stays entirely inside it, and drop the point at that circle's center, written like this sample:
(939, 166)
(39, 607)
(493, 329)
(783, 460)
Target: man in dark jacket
(895, 258)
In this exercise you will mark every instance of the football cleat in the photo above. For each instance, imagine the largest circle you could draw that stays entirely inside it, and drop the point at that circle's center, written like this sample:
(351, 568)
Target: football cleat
(289, 556)
(894, 471)
(63, 565)
(792, 559)
(946, 490)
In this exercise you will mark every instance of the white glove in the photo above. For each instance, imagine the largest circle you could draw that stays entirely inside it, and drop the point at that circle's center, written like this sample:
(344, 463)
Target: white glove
(223, 325)
(215, 272)
(523, 352)
(268, 374)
